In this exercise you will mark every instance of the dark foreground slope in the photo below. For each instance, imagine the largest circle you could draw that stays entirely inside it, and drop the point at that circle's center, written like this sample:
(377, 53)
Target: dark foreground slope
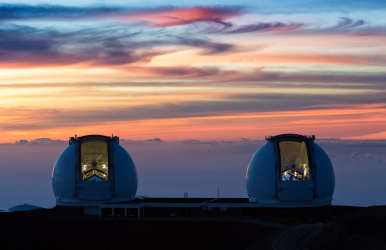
(49, 229)
(361, 229)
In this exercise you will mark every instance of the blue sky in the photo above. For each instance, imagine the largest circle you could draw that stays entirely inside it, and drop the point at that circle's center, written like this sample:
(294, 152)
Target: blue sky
(168, 169)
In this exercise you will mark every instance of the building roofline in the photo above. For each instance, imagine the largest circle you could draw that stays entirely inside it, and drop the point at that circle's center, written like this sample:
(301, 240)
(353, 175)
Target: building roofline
(281, 136)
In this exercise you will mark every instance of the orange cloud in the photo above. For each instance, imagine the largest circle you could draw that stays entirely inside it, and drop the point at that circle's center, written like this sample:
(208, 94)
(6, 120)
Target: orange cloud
(345, 122)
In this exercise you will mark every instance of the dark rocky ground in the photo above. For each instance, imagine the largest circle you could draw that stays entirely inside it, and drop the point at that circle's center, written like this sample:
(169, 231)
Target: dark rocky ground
(364, 228)
(345, 228)
(47, 229)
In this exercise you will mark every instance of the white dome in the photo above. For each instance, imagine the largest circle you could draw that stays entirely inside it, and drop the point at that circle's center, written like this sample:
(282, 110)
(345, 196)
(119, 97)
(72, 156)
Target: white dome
(290, 169)
(24, 207)
(93, 169)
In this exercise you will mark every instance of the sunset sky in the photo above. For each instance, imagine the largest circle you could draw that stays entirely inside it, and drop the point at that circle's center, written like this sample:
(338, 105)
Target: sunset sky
(200, 70)
(191, 88)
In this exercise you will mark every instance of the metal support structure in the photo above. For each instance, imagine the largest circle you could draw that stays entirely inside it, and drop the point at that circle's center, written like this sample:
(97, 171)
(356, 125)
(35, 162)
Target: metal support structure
(77, 164)
(111, 164)
(276, 153)
(313, 164)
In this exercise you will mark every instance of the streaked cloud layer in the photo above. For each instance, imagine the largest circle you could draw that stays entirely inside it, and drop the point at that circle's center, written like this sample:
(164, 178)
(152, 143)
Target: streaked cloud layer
(194, 71)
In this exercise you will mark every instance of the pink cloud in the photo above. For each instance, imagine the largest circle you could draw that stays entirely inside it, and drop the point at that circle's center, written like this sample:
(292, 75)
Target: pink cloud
(182, 16)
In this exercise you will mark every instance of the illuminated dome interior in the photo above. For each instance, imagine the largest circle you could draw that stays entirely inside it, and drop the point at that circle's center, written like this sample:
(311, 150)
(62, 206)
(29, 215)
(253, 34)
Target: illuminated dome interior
(94, 159)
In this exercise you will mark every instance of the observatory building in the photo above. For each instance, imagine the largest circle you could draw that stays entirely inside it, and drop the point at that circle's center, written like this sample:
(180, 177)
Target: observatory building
(92, 170)
(95, 174)
(290, 171)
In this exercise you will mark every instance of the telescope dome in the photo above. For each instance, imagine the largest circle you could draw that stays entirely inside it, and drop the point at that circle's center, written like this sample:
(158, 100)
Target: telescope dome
(290, 170)
(94, 168)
